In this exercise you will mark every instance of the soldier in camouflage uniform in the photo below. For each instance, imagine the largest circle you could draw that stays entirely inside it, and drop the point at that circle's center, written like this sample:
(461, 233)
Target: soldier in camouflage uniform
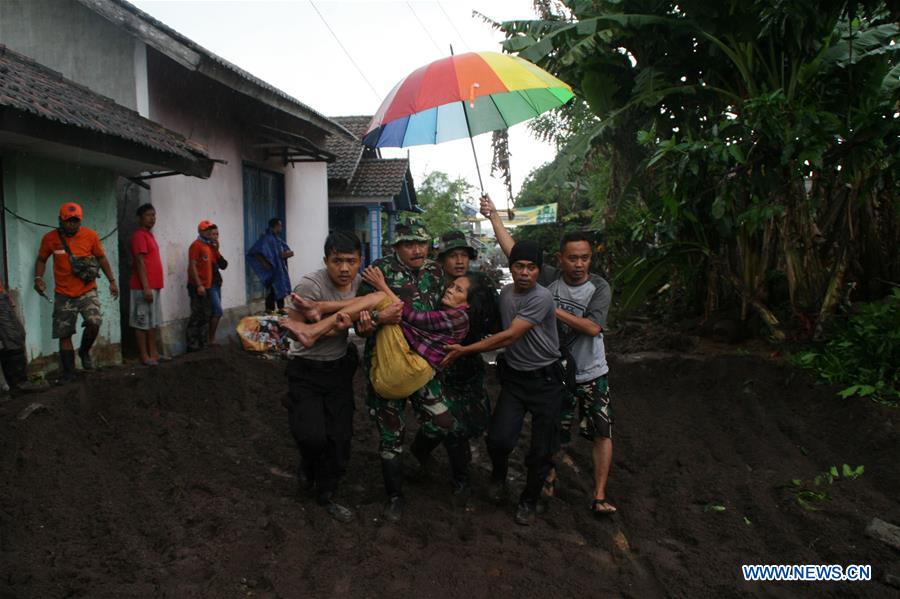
(463, 383)
(419, 282)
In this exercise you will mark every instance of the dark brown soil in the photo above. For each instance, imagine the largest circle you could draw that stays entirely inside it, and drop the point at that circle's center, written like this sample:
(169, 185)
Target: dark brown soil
(176, 482)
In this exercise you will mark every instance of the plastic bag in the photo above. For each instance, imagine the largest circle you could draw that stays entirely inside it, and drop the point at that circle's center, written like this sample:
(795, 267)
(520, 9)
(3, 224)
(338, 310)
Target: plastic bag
(262, 334)
(396, 371)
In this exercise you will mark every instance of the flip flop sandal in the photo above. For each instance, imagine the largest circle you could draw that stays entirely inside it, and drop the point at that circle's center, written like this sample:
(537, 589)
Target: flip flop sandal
(609, 510)
(548, 489)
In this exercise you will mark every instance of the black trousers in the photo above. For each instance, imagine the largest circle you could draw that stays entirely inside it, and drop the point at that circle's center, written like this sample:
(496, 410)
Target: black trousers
(271, 302)
(197, 331)
(540, 394)
(321, 416)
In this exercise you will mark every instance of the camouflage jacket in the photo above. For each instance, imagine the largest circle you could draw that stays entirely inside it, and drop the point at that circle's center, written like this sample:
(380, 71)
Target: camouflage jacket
(420, 290)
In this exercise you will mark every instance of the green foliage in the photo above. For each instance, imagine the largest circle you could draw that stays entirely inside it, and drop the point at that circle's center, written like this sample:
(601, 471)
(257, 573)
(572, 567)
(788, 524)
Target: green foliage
(442, 200)
(762, 133)
(863, 352)
(807, 493)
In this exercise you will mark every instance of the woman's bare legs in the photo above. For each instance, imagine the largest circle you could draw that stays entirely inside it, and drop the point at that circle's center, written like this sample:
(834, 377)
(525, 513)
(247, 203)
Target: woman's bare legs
(308, 333)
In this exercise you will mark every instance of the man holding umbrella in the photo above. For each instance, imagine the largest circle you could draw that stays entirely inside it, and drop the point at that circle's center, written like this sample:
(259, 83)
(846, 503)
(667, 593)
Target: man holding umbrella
(463, 383)
(419, 282)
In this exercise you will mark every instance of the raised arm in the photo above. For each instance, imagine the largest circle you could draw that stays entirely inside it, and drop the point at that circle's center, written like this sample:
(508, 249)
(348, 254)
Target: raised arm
(374, 277)
(490, 212)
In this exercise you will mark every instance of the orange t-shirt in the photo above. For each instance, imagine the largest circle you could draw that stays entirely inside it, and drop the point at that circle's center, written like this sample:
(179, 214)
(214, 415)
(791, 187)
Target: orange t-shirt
(83, 244)
(203, 256)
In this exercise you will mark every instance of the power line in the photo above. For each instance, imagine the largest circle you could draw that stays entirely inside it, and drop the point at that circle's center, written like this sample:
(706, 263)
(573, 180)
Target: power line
(425, 29)
(458, 34)
(349, 57)
(32, 222)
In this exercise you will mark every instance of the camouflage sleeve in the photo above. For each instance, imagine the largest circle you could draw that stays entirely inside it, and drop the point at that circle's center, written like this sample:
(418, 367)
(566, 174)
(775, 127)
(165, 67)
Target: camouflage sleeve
(364, 288)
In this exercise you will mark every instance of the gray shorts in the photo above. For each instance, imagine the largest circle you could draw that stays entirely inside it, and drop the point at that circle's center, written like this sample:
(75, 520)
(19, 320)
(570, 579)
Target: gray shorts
(143, 315)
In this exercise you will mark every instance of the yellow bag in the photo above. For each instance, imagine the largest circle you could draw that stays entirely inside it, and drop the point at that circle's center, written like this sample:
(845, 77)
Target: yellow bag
(396, 370)
(259, 333)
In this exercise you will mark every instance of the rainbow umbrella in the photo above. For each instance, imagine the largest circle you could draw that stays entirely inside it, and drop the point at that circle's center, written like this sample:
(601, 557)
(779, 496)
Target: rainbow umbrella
(462, 96)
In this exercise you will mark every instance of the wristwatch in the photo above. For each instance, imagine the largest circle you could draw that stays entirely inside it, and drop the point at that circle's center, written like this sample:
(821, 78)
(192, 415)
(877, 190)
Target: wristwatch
(374, 314)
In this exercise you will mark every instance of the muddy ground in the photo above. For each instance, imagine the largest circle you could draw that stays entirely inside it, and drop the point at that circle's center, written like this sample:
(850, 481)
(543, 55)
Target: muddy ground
(176, 482)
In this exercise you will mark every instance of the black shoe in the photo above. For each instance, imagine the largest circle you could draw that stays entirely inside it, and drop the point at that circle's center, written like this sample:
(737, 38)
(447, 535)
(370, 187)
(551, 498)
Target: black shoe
(28, 387)
(497, 491)
(526, 514)
(393, 509)
(335, 510)
(462, 491)
(66, 378)
(86, 362)
(305, 483)
(67, 366)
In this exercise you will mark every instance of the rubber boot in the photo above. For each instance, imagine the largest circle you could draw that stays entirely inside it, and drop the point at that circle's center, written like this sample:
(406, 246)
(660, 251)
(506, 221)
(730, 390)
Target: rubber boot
(460, 455)
(15, 369)
(421, 448)
(392, 471)
(87, 363)
(67, 362)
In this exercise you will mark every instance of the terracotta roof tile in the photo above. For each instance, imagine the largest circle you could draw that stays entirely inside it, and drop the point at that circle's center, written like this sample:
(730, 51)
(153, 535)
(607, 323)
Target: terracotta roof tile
(347, 151)
(378, 177)
(28, 86)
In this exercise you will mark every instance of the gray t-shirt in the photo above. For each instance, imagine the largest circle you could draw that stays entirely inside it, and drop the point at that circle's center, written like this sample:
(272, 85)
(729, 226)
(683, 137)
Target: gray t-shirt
(589, 300)
(317, 285)
(538, 347)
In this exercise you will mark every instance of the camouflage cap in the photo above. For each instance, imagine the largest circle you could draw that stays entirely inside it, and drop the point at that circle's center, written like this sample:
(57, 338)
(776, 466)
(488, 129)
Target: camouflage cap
(452, 240)
(409, 227)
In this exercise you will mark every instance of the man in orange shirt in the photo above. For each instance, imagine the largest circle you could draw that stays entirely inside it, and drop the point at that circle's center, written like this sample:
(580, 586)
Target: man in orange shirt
(203, 257)
(77, 254)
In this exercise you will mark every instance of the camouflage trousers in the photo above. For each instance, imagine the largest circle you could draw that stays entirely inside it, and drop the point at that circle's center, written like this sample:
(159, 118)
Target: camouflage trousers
(197, 331)
(12, 333)
(66, 310)
(466, 395)
(435, 418)
(12, 344)
(591, 399)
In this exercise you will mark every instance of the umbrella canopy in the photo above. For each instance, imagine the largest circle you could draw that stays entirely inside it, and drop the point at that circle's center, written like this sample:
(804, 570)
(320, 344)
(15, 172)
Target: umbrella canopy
(461, 96)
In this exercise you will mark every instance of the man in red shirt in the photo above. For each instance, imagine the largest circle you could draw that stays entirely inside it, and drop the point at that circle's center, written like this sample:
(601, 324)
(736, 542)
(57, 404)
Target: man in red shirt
(203, 258)
(146, 281)
(77, 253)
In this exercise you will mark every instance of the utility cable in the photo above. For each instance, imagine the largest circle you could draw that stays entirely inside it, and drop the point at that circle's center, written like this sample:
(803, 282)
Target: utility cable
(349, 57)
(425, 29)
(458, 34)
(31, 222)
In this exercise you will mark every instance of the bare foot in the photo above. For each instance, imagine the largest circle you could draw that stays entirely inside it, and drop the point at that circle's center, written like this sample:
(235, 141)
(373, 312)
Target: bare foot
(307, 308)
(297, 330)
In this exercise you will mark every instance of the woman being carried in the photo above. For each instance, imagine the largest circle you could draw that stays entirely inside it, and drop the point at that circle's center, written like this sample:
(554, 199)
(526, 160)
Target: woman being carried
(427, 333)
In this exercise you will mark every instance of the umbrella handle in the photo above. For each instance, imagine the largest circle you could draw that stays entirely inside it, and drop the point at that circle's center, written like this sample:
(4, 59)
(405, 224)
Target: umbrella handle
(472, 142)
(475, 156)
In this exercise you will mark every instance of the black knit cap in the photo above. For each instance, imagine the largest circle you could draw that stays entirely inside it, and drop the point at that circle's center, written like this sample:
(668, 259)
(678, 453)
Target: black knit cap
(526, 250)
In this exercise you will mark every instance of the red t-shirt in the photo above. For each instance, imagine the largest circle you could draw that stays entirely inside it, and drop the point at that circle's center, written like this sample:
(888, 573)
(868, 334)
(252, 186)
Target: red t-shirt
(143, 242)
(82, 244)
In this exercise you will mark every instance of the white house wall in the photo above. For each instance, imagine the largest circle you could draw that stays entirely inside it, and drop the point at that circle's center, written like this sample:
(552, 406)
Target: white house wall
(306, 216)
(182, 202)
(207, 113)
